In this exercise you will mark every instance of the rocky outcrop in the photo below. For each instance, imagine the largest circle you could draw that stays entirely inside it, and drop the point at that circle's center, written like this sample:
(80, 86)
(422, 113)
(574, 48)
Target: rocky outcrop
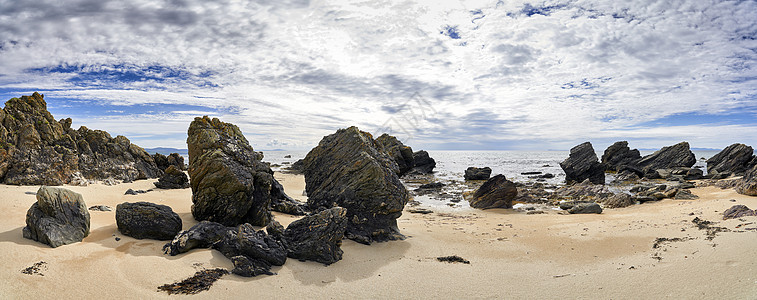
(422, 163)
(317, 237)
(173, 178)
(350, 170)
(252, 252)
(401, 154)
(201, 235)
(173, 159)
(669, 157)
(281, 202)
(618, 200)
(296, 168)
(59, 217)
(473, 173)
(497, 192)
(734, 159)
(738, 211)
(685, 195)
(230, 184)
(618, 155)
(145, 220)
(582, 164)
(35, 149)
(747, 185)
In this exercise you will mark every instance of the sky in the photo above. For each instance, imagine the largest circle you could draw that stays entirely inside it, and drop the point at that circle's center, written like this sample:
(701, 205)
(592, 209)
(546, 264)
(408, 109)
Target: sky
(457, 75)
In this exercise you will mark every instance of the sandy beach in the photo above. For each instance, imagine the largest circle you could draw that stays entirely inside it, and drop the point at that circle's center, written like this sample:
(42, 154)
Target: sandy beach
(512, 255)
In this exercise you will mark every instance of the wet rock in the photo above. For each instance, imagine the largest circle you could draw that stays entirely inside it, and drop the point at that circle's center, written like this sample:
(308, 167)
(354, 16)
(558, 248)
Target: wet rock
(618, 200)
(201, 235)
(678, 155)
(261, 250)
(619, 155)
(734, 159)
(349, 169)
(230, 184)
(497, 192)
(685, 195)
(317, 237)
(582, 164)
(401, 154)
(738, 211)
(423, 163)
(473, 173)
(747, 185)
(173, 178)
(59, 217)
(145, 220)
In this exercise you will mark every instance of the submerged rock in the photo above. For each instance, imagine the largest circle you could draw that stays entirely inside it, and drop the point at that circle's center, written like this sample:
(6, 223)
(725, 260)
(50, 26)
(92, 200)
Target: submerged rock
(59, 217)
(734, 159)
(582, 164)
(619, 155)
(497, 192)
(145, 220)
(669, 157)
(350, 170)
(173, 178)
(401, 154)
(473, 173)
(317, 237)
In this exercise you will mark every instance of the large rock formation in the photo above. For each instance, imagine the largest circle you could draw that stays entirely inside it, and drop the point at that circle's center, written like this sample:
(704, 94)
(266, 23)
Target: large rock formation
(401, 154)
(350, 170)
(173, 159)
(59, 217)
(317, 237)
(230, 184)
(619, 155)
(582, 164)
(422, 163)
(35, 149)
(497, 192)
(669, 157)
(473, 173)
(734, 159)
(747, 185)
(145, 220)
(173, 178)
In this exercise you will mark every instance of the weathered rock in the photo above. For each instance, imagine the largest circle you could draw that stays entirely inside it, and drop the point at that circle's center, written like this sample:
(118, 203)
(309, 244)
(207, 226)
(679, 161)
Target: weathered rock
(747, 185)
(401, 154)
(317, 237)
(677, 155)
(618, 155)
(201, 235)
(473, 173)
(230, 184)
(497, 192)
(349, 169)
(173, 178)
(145, 220)
(256, 246)
(685, 195)
(734, 159)
(173, 159)
(627, 177)
(281, 202)
(618, 200)
(693, 174)
(59, 217)
(585, 208)
(582, 164)
(423, 163)
(297, 167)
(250, 267)
(584, 191)
(738, 211)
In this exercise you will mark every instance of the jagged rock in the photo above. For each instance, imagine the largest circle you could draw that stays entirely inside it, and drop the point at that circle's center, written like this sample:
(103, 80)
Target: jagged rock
(401, 154)
(59, 217)
(423, 163)
(296, 168)
(738, 211)
(201, 235)
(618, 155)
(618, 200)
(684, 195)
(250, 267)
(317, 237)
(145, 220)
(497, 192)
(734, 159)
(173, 178)
(230, 184)
(627, 176)
(349, 169)
(281, 202)
(677, 155)
(173, 159)
(260, 249)
(747, 185)
(276, 231)
(582, 164)
(473, 173)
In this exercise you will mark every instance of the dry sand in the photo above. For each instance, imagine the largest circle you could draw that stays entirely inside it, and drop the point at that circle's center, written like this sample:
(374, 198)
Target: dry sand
(512, 255)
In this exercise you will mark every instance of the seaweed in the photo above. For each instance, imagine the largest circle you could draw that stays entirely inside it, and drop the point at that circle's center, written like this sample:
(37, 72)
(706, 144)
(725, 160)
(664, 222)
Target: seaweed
(453, 259)
(201, 281)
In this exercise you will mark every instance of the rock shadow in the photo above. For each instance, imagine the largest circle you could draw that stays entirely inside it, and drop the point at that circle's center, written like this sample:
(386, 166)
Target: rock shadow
(16, 236)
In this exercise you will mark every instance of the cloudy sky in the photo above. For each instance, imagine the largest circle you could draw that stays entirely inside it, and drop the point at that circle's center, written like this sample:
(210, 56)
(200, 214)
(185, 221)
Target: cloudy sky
(497, 75)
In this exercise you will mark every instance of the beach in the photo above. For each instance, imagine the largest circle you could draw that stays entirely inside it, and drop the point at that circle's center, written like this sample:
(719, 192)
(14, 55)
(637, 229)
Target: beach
(512, 254)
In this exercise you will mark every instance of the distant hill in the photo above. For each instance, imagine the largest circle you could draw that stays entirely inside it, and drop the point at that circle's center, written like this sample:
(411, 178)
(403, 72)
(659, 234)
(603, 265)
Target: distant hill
(167, 151)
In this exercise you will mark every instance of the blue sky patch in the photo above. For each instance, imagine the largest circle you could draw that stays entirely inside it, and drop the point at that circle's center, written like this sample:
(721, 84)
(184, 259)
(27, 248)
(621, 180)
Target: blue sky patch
(451, 31)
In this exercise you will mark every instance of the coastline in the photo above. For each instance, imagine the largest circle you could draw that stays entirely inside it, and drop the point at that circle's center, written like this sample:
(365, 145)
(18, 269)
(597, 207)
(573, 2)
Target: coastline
(511, 254)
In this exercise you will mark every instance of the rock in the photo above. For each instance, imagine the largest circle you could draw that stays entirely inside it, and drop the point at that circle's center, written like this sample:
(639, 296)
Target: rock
(543, 176)
(59, 217)
(173, 159)
(349, 169)
(685, 195)
(317, 237)
(530, 173)
(423, 211)
(423, 163)
(145, 220)
(78, 179)
(677, 155)
(585, 208)
(276, 231)
(173, 178)
(473, 173)
(734, 159)
(627, 176)
(747, 185)
(694, 174)
(201, 235)
(100, 208)
(281, 202)
(288, 156)
(249, 267)
(497, 192)
(261, 250)
(584, 191)
(432, 185)
(642, 199)
(230, 184)
(619, 155)
(135, 192)
(582, 164)
(618, 200)
(297, 167)
(738, 211)
(110, 181)
(401, 154)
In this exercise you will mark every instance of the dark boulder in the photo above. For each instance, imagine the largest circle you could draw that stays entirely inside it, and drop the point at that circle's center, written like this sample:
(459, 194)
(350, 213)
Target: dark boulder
(401, 154)
(747, 185)
(260, 250)
(423, 163)
(145, 220)
(59, 217)
(349, 169)
(281, 202)
(582, 164)
(693, 174)
(201, 235)
(473, 173)
(618, 200)
(250, 267)
(734, 159)
(684, 195)
(585, 208)
(618, 155)
(296, 168)
(497, 192)
(317, 237)
(738, 211)
(173, 159)
(677, 155)
(230, 184)
(173, 178)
